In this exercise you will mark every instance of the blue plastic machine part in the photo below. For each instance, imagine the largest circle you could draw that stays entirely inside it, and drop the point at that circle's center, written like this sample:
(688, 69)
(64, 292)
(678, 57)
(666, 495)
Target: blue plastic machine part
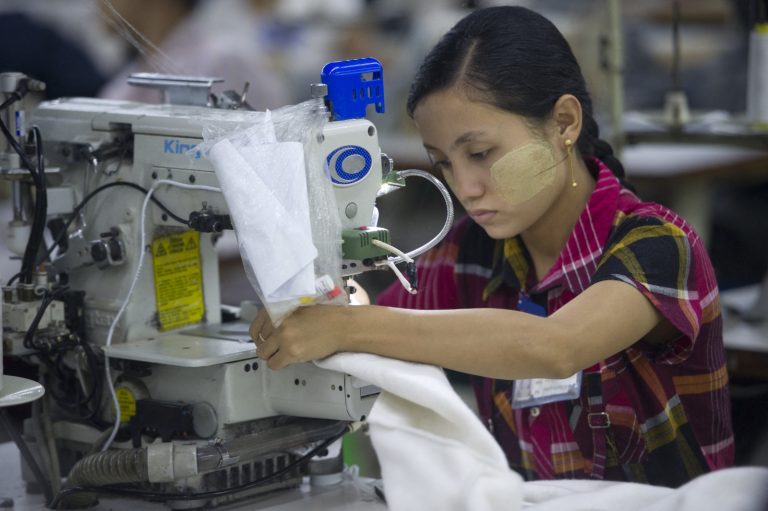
(352, 86)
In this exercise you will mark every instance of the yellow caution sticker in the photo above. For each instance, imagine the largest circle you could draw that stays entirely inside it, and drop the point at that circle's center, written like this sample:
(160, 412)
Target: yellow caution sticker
(127, 402)
(178, 280)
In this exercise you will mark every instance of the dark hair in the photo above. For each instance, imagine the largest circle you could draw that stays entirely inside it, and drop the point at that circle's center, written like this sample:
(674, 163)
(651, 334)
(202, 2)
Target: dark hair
(519, 62)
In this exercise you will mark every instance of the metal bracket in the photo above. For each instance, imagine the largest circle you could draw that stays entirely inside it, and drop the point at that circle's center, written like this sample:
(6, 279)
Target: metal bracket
(177, 90)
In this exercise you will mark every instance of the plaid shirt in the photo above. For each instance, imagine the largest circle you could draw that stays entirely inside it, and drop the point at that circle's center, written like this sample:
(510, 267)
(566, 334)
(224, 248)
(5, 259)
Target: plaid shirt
(656, 414)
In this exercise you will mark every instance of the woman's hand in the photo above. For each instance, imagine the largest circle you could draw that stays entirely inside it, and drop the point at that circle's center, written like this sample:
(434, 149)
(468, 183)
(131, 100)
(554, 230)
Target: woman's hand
(309, 333)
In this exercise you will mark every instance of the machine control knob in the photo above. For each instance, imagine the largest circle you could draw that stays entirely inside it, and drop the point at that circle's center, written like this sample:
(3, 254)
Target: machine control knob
(109, 250)
(98, 252)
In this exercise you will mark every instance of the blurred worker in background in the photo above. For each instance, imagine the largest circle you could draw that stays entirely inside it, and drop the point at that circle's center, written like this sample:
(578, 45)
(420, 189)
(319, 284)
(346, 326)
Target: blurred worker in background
(197, 38)
(39, 49)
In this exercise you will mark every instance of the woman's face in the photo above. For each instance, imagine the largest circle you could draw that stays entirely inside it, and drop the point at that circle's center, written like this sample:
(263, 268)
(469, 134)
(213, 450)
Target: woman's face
(504, 175)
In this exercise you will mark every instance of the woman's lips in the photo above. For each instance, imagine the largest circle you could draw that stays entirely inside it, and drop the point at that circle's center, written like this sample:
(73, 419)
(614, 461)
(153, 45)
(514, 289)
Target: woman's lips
(481, 215)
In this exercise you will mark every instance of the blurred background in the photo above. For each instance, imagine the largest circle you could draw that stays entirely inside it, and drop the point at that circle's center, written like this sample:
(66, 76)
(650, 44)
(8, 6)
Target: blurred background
(88, 48)
(702, 156)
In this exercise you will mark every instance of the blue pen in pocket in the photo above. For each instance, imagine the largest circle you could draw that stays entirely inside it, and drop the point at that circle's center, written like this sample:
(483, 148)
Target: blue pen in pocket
(525, 304)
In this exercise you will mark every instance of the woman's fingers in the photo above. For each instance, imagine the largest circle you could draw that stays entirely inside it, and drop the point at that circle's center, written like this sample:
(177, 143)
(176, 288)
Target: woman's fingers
(261, 328)
(267, 348)
(307, 334)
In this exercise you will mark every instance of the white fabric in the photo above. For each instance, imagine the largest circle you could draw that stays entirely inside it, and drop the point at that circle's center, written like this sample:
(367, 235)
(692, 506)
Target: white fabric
(265, 187)
(433, 451)
(734, 489)
(435, 454)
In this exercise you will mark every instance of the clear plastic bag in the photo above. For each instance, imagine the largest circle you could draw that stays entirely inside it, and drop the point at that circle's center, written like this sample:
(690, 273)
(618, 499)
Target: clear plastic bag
(282, 204)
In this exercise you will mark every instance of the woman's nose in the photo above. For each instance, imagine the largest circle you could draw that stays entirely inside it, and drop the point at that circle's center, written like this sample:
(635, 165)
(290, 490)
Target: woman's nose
(466, 185)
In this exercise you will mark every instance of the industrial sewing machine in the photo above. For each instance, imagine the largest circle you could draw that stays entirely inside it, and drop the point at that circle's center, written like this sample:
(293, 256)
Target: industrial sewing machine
(201, 418)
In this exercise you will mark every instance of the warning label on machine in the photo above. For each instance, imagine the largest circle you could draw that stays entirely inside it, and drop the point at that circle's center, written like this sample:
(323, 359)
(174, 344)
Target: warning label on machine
(127, 402)
(178, 280)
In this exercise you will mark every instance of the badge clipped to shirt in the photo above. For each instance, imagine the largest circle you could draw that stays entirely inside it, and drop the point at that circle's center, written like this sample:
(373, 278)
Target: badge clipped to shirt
(539, 391)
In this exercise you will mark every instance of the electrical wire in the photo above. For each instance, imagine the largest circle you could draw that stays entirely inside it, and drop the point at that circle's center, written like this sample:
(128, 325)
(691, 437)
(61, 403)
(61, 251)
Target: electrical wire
(132, 287)
(391, 264)
(37, 234)
(80, 401)
(48, 298)
(448, 212)
(38, 178)
(95, 192)
(45, 351)
(400, 256)
(13, 98)
(407, 285)
(13, 279)
(128, 492)
(392, 249)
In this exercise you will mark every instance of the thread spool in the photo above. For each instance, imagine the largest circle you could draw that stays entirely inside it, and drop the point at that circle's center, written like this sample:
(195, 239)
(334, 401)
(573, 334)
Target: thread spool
(757, 77)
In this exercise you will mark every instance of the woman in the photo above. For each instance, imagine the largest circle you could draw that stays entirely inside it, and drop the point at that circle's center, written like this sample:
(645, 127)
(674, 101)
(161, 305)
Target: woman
(558, 270)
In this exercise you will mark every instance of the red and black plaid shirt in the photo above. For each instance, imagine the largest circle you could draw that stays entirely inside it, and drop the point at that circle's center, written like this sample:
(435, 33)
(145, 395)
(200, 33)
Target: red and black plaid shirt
(666, 408)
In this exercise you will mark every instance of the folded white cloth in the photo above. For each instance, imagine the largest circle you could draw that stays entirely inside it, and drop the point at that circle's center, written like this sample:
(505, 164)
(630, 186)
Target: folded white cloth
(265, 187)
(434, 453)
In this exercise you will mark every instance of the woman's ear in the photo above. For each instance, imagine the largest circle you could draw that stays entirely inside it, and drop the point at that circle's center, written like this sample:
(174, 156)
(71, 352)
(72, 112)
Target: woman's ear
(567, 117)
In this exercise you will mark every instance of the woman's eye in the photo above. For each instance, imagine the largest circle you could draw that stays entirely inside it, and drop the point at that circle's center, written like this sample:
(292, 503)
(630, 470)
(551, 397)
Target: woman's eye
(442, 166)
(480, 155)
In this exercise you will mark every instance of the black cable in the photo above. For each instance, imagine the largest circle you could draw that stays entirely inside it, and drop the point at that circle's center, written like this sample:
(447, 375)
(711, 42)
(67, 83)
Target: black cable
(74, 400)
(45, 351)
(13, 279)
(22, 88)
(13, 98)
(29, 261)
(18, 149)
(128, 492)
(48, 297)
(26, 454)
(37, 233)
(80, 400)
(88, 197)
(38, 178)
(97, 385)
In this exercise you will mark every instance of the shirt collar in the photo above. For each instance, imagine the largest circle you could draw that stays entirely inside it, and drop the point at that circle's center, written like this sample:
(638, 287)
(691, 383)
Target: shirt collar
(577, 261)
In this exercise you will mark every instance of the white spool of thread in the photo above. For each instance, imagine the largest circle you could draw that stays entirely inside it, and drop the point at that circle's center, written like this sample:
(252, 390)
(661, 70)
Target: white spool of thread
(757, 77)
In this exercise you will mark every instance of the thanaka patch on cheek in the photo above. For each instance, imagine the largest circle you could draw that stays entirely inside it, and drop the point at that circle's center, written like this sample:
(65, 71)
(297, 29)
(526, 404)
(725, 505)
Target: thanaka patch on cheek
(524, 172)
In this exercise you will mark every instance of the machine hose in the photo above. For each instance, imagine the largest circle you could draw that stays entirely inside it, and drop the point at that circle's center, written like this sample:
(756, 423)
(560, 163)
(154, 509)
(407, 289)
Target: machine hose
(99, 469)
(110, 467)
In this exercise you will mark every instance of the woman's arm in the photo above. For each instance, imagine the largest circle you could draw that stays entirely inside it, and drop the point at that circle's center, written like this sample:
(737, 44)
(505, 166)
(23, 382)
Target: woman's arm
(606, 318)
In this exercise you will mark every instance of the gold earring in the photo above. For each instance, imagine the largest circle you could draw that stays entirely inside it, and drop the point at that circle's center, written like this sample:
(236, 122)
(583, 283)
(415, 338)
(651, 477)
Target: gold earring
(569, 150)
